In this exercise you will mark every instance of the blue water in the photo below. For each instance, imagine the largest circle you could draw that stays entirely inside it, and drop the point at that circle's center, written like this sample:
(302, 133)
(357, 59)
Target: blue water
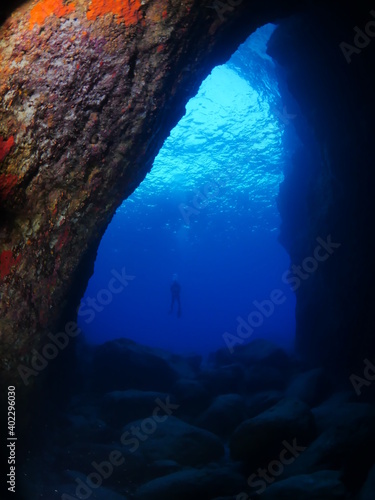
(206, 211)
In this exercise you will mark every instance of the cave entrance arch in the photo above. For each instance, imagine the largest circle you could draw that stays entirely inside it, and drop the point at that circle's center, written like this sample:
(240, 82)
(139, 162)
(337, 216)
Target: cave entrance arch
(33, 290)
(41, 235)
(208, 211)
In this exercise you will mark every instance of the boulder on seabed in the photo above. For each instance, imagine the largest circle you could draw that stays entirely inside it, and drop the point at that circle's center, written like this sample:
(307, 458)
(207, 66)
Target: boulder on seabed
(260, 378)
(121, 407)
(257, 352)
(312, 387)
(260, 439)
(368, 489)
(85, 429)
(123, 364)
(164, 467)
(226, 379)
(175, 440)
(343, 445)
(224, 414)
(80, 456)
(226, 498)
(69, 490)
(192, 396)
(322, 485)
(82, 486)
(262, 401)
(342, 406)
(192, 483)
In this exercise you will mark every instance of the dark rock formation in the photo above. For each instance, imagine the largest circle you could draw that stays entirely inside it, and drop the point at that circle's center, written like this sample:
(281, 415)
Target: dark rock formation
(121, 407)
(325, 485)
(309, 387)
(177, 450)
(369, 487)
(261, 438)
(335, 323)
(224, 379)
(340, 444)
(176, 440)
(124, 364)
(202, 483)
(258, 353)
(261, 401)
(102, 493)
(194, 398)
(224, 414)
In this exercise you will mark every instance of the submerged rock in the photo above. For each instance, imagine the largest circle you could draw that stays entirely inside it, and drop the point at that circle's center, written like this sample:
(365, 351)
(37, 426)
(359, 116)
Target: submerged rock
(173, 439)
(226, 379)
(342, 445)
(262, 401)
(121, 407)
(367, 492)
(224, 414)
(257, 352)
(82, 488)
(80, 456)
(86, 429)
(123, 364)
(193, 397)
(262, 378)
(323, 485)
(338, 408)
(260, 439)
(311, 387)
(192, 483)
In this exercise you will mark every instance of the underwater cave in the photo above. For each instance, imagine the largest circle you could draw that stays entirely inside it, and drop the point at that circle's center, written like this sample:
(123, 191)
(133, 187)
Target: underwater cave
(101, 183)
(208, 210)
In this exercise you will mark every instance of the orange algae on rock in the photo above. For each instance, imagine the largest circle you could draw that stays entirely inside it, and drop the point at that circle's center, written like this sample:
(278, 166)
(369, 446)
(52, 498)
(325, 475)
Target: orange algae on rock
(7, 261)
(46, 8)
(125, 10)
(157, 11)
(5, 147)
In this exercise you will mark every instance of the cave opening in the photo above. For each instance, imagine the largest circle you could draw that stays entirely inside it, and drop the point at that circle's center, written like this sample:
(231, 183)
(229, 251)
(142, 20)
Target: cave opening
(207, 212)
(121, 421)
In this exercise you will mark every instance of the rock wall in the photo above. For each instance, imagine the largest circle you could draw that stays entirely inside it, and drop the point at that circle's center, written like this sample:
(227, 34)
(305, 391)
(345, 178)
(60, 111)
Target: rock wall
(88, 92)
(333, 80)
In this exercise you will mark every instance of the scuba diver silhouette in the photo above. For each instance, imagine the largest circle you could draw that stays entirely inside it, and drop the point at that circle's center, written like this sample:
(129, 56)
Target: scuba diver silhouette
(175, 292)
